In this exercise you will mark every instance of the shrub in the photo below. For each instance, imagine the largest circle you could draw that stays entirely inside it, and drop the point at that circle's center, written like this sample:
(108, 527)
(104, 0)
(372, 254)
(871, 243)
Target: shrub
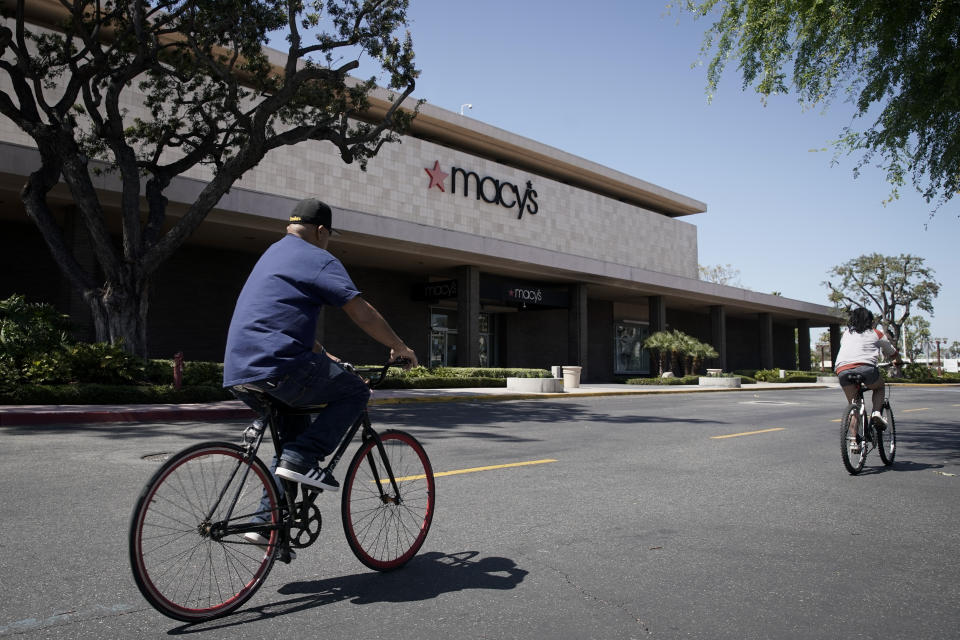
(28, 329)
(104, 363)
(158, 371)
(10, 375)
(201, 374)
(53, 367)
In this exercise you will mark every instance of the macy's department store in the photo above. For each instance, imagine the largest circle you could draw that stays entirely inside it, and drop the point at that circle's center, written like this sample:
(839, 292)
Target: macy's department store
(480, 247)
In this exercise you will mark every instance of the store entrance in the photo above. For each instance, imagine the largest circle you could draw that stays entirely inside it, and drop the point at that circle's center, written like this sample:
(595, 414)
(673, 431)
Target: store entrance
(443, 339)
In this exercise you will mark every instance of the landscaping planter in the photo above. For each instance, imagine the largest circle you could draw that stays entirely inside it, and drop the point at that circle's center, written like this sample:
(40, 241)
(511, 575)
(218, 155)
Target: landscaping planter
(716, 381)
(535, 385)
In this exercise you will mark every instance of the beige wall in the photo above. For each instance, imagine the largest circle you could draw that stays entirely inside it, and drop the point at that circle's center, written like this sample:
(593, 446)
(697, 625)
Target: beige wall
(570, 220)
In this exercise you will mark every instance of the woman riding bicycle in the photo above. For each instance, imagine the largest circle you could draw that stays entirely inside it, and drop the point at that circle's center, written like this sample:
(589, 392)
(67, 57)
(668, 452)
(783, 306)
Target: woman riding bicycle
(860, 347)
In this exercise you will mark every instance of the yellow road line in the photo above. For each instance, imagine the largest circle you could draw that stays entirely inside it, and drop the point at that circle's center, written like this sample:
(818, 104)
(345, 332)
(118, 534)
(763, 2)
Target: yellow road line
(746, 433)
(475, 469)
(912, 410)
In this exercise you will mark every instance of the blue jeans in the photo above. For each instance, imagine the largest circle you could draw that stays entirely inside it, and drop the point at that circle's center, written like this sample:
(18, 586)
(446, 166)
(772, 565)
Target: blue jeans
(320, 380)
(303, 441)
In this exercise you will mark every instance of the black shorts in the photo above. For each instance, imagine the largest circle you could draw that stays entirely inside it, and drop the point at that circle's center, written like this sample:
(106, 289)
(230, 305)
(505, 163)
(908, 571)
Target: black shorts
(870, 375)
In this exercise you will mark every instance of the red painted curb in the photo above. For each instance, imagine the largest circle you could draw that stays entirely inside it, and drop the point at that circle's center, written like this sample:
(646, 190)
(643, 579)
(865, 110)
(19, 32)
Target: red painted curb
(27, 418)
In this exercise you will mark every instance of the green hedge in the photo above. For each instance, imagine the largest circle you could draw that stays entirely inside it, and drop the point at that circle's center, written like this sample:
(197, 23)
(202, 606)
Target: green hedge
(442, 383)
(202, 383)
(456, 377)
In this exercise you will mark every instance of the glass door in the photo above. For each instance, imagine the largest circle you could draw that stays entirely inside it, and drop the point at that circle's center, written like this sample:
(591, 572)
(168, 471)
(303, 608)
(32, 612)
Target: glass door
(443, 338)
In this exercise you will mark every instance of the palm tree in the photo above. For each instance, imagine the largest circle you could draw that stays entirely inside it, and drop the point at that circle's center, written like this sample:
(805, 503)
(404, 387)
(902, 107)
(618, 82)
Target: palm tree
(681, 346)
(660, 343)
(702, 351)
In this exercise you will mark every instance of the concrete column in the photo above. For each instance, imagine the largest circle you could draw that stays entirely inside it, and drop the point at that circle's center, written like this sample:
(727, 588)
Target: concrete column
(718, 335)
(577, 328)
(803, 345)
(834, 344)
(468, 316)
(658, 313)
(766, 340)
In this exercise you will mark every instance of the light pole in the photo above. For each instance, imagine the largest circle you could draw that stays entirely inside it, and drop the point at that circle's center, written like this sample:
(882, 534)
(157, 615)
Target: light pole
(466, 105)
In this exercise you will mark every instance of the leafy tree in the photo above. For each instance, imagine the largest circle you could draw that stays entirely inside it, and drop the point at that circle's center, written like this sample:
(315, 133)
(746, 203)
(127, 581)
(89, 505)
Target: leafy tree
(894, 61)
(953, 351)
(720, 274)
(891, 286)
(212, 101)
(821, 350)
(917, 331)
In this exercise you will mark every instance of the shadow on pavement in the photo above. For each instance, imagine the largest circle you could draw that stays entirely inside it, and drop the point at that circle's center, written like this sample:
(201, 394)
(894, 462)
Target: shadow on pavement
(443, 418)
(426, 576)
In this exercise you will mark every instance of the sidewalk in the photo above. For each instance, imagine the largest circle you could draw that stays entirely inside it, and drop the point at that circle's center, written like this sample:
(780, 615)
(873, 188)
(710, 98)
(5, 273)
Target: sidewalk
(234, 409)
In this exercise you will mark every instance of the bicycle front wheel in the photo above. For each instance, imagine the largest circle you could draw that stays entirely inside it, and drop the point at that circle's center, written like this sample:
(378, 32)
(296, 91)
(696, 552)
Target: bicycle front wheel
(854, 452)
(887, 439)
(187, 561)
(386, 520)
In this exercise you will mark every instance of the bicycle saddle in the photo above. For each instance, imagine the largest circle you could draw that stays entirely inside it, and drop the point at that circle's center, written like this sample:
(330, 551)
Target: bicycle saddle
(263, 395)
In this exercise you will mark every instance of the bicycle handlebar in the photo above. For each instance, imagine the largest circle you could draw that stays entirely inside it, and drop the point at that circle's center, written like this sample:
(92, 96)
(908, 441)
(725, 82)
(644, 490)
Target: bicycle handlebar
(374, 376)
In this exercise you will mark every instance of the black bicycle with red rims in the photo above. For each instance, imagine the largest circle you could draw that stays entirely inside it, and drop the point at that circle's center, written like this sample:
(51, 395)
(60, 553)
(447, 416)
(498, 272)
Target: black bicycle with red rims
(209, 525)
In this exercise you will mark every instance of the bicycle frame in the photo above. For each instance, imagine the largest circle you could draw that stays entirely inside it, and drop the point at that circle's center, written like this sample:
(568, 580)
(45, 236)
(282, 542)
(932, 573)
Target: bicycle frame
(290, 490)
(182, 549)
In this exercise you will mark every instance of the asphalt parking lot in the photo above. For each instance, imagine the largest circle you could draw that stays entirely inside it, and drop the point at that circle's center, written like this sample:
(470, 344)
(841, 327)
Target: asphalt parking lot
(721, 515)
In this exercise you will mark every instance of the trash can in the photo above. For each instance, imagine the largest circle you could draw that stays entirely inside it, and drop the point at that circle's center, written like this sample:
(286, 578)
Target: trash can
(571, 377)
(556, 371)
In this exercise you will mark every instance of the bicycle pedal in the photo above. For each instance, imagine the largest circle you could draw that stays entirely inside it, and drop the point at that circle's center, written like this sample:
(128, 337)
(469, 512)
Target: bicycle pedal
(285, 555)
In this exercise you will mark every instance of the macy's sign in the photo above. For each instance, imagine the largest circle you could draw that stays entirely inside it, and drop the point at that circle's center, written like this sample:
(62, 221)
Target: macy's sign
(490, 190)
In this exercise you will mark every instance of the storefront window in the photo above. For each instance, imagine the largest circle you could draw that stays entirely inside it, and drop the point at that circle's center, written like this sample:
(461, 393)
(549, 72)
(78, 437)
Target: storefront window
(629, 354)
(443, 339)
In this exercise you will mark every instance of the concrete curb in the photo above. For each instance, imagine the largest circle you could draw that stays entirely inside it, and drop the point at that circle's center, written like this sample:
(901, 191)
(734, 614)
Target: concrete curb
(37, 415)
(233, 410)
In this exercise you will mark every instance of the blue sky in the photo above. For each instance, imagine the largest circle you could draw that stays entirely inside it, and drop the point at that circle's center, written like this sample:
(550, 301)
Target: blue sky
(611, 81)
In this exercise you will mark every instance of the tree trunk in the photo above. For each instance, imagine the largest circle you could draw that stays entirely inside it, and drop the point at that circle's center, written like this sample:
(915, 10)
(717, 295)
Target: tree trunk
(120, 315)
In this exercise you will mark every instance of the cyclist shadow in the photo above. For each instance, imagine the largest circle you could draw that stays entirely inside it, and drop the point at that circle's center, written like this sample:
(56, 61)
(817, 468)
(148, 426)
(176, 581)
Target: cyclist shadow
(901, 465)
(427, 576)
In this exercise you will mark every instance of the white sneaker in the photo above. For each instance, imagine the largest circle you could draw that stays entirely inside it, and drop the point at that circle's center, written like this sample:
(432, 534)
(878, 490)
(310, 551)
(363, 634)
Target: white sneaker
(876, 418)
(262, 542)
(311, 477)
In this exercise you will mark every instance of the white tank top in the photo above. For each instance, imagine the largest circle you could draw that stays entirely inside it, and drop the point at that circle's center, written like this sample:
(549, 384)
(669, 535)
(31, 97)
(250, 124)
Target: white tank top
(862, 348)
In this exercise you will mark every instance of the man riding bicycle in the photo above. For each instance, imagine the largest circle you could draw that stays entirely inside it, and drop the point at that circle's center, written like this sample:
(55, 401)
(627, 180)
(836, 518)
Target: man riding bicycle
(860, 347)
(271, 342)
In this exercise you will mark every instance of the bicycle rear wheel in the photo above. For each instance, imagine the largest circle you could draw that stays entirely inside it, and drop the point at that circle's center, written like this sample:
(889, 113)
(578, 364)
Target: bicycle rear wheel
(853, 460)
(887, 439)
(185, 560)
(385, 525)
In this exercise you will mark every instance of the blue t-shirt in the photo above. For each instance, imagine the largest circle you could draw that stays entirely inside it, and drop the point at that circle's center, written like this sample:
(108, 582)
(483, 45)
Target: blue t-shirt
(275, 321)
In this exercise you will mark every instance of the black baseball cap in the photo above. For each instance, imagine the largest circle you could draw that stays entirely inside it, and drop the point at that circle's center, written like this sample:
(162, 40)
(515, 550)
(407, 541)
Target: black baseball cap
(312, 211)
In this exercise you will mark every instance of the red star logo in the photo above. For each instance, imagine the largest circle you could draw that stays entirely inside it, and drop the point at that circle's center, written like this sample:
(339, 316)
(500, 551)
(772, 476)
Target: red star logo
(437, 176)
